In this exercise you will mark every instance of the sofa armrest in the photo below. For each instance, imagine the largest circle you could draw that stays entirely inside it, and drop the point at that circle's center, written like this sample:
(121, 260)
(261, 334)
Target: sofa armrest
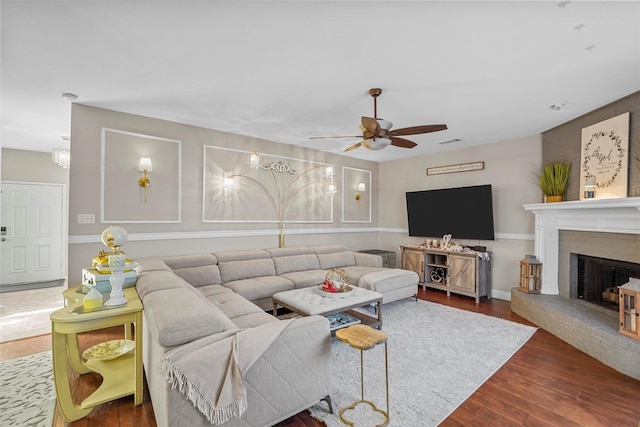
(367, 260)
(292, 374)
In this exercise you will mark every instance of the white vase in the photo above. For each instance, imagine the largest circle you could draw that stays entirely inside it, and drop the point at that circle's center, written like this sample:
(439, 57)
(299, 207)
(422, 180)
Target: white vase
(116, 295)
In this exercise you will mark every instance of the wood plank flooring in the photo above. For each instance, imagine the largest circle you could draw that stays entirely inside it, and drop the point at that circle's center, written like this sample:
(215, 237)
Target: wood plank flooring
(546, 383)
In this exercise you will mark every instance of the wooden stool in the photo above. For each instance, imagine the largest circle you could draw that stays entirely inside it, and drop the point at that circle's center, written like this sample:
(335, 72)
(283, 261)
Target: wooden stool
(363, 337)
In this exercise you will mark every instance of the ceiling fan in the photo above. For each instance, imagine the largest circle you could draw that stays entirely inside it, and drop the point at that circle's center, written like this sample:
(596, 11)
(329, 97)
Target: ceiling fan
(377, 133)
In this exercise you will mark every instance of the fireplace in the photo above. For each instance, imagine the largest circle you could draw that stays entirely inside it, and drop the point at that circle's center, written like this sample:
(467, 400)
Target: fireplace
(595, 279)
(596, 229)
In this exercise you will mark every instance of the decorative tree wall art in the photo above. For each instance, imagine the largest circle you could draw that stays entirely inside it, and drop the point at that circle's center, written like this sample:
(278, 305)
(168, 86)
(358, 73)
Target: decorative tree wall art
(605, 157)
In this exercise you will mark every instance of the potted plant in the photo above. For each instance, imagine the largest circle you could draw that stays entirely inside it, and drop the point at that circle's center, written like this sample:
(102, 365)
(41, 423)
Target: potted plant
(553, 180)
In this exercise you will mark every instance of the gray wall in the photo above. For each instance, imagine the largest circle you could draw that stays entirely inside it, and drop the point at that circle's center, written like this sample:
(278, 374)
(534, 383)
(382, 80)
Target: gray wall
(509, 167)
(564, 142)
(191, 235)
(31, 166)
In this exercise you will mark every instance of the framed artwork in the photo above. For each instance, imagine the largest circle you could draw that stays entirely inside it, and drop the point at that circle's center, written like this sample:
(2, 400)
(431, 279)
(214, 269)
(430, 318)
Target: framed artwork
(294, 190)
(356, 195)
(122, 199)
(605, 157)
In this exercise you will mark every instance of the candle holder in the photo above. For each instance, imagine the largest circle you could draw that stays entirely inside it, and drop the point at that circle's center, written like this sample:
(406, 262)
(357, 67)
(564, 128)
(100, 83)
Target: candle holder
(629, 308)
(530, 273)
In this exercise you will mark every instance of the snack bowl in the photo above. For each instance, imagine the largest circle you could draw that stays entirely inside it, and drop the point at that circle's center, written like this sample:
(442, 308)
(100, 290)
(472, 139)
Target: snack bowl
(335, 294)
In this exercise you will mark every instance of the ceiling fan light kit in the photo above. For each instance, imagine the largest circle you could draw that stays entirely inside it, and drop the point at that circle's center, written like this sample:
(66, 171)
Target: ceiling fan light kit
(377, 133)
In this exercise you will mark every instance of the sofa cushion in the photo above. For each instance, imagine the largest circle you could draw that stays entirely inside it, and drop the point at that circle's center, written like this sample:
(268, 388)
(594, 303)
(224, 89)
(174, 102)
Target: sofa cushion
(227, 256)
(286, 264)
(355, 272)
(241, 312)
(181, 316)
(200, 276)
(329, 249)
(153, 281)
(151, 264)
(336, 260)
(238, 270)
(304, 279)
(211, 290)
(189, 261)
(260, 287)
(291, 250)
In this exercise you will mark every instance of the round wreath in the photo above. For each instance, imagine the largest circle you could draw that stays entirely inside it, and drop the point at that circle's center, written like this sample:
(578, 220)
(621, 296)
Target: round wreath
(618, 142)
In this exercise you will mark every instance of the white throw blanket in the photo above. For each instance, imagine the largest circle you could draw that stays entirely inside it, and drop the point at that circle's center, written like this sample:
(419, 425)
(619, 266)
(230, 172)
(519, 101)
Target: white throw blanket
(209, 371)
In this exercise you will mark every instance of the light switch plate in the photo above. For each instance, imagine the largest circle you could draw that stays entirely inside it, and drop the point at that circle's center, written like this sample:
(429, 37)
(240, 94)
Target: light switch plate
(86, 218)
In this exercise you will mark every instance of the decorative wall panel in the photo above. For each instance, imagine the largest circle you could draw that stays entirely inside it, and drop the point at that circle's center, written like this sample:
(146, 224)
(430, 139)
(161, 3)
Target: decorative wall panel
(122, 199)
(294, 188)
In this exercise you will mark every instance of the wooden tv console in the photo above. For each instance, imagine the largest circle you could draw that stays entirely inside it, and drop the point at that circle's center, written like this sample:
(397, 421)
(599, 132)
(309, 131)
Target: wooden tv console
(455, 272)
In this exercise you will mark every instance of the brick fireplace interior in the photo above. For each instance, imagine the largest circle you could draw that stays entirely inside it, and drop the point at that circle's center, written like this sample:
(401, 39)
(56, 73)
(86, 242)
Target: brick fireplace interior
(595, 280)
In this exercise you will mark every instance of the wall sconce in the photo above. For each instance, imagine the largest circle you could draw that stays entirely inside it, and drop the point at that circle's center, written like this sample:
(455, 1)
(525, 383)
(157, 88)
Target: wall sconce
(590, 188)
(254, 160)
(332, 188)
(144, 166)
(361, 189)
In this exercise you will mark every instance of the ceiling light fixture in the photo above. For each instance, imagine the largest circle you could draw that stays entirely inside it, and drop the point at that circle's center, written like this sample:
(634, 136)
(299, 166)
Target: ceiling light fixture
(579, 27)
(563, 4)
(590, 48)
(558, 107)
(69, 96)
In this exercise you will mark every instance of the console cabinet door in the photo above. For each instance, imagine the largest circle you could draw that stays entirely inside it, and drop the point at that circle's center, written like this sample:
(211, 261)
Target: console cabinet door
(462, 272)
(414, 261)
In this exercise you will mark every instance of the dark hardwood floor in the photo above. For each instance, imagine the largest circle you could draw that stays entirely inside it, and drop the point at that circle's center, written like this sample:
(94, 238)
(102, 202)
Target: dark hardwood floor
(546, 383)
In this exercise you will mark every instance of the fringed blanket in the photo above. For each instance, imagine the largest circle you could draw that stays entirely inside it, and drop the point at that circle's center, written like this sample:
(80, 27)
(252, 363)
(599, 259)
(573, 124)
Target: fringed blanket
(209, 371)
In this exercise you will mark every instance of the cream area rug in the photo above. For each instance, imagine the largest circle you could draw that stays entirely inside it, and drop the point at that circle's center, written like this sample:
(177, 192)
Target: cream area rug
(438, 357)
(27, 391)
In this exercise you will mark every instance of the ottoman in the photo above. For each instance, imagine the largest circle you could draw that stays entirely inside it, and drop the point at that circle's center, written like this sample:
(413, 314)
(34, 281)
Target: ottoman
(392, 283)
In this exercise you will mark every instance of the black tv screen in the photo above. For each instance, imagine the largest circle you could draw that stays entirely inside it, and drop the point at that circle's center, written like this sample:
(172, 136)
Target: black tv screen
(464, 212)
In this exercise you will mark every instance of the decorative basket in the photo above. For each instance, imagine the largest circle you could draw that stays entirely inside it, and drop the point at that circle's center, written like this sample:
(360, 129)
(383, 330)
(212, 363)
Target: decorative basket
(340, 281)
(339, 278)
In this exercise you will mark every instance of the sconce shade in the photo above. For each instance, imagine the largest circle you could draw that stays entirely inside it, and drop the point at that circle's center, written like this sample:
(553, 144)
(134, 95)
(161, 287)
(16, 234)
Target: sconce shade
(254, 160)
(332, 189)
(362, 187)
(376, 143)
(145, 164)
(328, 172)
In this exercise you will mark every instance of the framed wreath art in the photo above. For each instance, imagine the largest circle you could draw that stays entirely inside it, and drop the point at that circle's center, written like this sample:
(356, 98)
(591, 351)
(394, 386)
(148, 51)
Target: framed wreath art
(605, 151)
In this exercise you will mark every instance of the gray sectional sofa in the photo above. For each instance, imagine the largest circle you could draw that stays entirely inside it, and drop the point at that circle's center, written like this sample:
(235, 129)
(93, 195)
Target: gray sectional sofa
(189, 301)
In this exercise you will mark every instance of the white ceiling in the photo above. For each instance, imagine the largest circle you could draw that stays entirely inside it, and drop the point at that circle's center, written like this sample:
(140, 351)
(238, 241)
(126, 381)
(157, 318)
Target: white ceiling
(285, 71)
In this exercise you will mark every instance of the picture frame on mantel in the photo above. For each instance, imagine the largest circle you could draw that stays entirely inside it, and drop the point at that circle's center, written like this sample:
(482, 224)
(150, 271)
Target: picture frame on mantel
(605, 158)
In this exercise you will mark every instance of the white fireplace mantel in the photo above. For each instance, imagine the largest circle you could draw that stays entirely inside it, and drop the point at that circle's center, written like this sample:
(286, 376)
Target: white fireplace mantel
(598, 215)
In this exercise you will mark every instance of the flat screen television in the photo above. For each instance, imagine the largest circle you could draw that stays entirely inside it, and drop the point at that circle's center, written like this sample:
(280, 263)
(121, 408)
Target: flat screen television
(464, 212)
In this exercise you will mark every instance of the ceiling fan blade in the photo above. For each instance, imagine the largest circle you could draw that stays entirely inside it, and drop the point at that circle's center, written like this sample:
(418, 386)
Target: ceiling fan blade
(417, 129)
(371, 125)
(335, 137)
(401, 142)
(354, 146)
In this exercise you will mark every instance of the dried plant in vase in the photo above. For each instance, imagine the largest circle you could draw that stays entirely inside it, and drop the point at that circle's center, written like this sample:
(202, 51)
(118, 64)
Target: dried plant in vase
(553, 180)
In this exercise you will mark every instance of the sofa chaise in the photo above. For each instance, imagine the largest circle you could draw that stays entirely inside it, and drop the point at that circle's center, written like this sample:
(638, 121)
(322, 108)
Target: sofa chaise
(189, 301)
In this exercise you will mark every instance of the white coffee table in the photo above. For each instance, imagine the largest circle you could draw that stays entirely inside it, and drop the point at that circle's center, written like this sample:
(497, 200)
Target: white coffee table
(307, 302)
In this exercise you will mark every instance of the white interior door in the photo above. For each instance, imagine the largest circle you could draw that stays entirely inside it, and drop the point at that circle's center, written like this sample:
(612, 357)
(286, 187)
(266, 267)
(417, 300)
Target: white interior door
(31, 233)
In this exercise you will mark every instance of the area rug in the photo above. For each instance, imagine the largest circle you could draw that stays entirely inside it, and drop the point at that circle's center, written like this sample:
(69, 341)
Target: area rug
(438, 357)
(27, 391)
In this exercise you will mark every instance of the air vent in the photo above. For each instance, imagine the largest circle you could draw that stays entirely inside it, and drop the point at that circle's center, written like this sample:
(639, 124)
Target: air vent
(449, 141)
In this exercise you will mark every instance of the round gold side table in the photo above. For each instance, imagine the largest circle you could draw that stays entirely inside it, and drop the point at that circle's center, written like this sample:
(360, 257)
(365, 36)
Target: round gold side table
(363, 337)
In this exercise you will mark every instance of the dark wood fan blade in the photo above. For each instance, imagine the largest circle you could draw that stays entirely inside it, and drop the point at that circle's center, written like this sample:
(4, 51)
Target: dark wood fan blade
(417, 129)
(401, 142)
(354, 146)
(370, 124)
(335, 137)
